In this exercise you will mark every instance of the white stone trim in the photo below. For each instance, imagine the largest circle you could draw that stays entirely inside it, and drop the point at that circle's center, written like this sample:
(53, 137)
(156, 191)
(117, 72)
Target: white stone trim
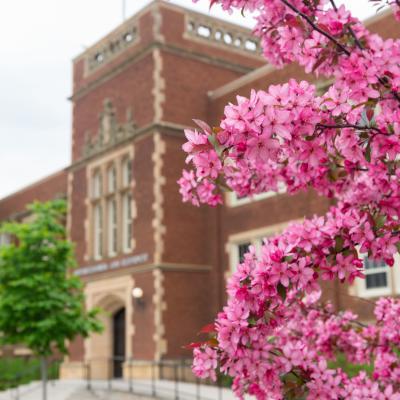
(158, 209)
(158, 90)
(110, 294)
(159, 306)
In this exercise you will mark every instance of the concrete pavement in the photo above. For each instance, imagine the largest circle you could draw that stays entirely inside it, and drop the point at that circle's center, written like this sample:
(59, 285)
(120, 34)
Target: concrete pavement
(143, 389)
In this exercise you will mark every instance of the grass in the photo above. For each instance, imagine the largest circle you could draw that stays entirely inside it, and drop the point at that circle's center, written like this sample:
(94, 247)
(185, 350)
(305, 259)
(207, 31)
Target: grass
(16, 371)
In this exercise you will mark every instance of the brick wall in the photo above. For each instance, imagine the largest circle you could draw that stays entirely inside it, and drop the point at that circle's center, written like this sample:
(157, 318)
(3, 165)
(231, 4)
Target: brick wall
(49, 188)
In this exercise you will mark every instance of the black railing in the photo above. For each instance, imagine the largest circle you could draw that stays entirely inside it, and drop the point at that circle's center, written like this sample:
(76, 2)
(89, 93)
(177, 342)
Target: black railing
(169, 379)
(164, 379)
(27, 370)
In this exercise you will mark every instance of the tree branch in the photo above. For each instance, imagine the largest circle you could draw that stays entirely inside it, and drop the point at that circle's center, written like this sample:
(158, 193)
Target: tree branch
(314, 26)
(340, 126)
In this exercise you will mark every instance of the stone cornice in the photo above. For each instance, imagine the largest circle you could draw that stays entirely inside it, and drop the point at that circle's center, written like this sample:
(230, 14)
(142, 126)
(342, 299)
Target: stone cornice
(139, 269)
(173, 49)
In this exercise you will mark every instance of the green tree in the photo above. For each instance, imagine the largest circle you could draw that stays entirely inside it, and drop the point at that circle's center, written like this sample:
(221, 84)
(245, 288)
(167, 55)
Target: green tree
(41, 303)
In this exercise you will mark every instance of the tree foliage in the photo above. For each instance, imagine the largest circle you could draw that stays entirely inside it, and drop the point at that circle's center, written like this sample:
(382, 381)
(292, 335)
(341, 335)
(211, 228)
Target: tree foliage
(41, 303)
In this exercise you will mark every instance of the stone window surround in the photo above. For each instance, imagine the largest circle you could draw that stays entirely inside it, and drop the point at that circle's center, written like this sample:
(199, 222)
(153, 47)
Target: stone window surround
(358, 288)
(232, 200)
(115, 159)
(393, 283)
(254, 236)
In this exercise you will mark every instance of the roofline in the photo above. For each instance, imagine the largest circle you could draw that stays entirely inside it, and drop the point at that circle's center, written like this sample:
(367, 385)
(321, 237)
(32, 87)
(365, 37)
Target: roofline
(268, 68)
(154, 4)
(33, 184)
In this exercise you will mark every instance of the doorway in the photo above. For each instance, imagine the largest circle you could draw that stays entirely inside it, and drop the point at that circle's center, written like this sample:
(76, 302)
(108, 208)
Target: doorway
(118, 343)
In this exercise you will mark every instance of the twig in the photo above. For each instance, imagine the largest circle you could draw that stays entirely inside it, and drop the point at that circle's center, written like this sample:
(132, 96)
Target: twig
(360, 128)
(311, 23)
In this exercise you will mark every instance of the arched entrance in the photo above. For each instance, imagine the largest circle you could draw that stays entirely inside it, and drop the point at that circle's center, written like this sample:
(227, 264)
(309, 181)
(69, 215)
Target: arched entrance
(118, 322)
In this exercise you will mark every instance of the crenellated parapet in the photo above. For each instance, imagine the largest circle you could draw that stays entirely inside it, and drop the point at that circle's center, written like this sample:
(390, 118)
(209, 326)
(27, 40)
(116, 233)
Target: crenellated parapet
(220, 33)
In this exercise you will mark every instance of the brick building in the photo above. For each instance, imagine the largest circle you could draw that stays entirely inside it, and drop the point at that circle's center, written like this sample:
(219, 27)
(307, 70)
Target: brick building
(133, 94)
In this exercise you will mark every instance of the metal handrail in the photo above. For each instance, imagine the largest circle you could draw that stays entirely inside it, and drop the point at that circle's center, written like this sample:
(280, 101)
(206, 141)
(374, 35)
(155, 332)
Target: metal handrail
(176, 390)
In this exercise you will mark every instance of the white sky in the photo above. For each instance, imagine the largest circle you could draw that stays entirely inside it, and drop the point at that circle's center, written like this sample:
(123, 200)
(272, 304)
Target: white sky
(38, 40)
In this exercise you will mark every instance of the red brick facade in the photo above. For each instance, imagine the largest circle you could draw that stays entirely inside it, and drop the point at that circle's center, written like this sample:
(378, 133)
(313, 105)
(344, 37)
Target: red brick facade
(133, 94)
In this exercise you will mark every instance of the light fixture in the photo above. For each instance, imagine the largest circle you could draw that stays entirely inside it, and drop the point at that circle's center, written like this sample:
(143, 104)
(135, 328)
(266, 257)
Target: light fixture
(137, 294)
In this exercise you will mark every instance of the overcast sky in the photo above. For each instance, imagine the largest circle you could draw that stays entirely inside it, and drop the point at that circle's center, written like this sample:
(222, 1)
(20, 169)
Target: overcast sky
(38, 40)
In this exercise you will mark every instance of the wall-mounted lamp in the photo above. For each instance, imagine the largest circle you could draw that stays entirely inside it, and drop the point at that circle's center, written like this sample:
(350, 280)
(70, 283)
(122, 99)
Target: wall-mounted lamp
(137, 294)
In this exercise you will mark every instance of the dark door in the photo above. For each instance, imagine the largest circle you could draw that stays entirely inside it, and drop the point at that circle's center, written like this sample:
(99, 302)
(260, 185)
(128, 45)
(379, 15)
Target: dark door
(119, 342)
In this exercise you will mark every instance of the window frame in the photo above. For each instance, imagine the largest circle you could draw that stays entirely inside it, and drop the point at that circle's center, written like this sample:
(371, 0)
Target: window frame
(233, 200)
(361, 284)
(127, 222)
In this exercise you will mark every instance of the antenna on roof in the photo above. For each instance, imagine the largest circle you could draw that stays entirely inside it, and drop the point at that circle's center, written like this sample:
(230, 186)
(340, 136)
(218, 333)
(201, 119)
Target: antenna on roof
(123, 10)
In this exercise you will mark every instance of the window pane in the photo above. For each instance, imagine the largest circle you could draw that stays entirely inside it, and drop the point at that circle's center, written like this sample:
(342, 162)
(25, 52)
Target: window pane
(96, 185)
(243, 248)
(112, 227)
(112, 180)
(127, 222)
(371, 264)
(127, 172)
(378, 280)
(98, 231)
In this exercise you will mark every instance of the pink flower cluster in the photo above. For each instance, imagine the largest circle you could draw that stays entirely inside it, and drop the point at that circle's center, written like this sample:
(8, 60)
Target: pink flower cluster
(345, 144)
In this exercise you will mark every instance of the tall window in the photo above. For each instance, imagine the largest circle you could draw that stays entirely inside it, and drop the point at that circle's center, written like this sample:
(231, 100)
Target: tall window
(98, 231)
(127, 221)
(112, 227)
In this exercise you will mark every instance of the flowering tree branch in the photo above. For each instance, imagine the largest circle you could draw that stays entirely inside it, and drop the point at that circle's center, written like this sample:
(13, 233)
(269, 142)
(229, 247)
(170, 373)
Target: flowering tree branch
(345, 144)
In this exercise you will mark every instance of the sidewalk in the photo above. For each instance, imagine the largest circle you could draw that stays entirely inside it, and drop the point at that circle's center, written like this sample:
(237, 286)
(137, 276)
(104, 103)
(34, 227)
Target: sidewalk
(120, 390)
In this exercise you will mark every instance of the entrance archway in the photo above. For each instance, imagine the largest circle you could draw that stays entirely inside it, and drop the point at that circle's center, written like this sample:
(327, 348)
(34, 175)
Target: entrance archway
(118, 327)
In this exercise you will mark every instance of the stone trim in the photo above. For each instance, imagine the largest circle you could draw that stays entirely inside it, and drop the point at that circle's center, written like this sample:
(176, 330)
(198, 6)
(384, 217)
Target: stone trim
(239, 82)
(225, 36)
(158, 209)
(110, 294)
(138, 269)
(159, 306)
(140, 133)
(158, 90)
(110, 132)
(157, 24)
(173, 49)
(251, 236)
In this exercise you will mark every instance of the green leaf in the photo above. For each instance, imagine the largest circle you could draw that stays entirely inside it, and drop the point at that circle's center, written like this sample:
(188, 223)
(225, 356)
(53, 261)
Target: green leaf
(41, 304)
(368, 152)
(339, 241)
(282, 291)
